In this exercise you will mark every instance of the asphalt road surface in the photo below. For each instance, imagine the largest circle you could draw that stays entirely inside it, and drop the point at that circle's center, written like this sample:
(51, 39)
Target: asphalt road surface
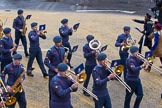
(138, 7)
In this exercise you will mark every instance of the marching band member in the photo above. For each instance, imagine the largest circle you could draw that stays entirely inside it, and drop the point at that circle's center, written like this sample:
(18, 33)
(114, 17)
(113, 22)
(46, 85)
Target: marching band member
(148, 23)
(54, 56)
(6, 47)
(18, 26)
(13, 70)
(156, 36)
(60, 88)
(134, 65)
(121, 42)
(35, 50)
(65, 32)
(101, 76)
(90, 56)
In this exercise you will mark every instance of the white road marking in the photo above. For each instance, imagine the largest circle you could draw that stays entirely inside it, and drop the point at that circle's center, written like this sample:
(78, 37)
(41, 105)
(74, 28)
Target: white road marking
(122, 11)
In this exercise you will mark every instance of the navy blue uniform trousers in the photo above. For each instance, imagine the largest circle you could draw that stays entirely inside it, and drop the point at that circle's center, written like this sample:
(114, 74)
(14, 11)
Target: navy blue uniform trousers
(18, 36)
(36, 53)
(136, 87)
(20, 99)
(103, 101)
(88, 71)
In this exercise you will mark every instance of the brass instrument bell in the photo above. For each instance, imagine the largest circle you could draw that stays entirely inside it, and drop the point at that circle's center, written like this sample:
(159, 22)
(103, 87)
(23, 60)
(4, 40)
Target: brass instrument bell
(81, 77)
(94, 44)
(119, 69)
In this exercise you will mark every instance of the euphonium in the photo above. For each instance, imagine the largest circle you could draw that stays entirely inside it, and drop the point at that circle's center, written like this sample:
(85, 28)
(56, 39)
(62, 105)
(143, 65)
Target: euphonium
(129, 42)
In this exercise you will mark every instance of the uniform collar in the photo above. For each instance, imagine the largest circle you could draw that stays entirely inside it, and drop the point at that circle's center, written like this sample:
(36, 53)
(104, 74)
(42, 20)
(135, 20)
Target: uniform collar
(99, 65)
(16, 64)
(57, 47)
(6, 37)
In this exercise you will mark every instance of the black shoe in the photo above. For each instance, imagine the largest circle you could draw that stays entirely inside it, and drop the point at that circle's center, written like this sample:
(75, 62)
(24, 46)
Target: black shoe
(26, 55)
(161, 95)
(86, 94)
(45, 75)
(30, 74)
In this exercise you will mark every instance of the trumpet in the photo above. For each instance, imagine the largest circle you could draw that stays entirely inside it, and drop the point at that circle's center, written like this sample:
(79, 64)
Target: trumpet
(43, 32)
(80, 79)
(149, 62)
(118, 70)
(129, 42)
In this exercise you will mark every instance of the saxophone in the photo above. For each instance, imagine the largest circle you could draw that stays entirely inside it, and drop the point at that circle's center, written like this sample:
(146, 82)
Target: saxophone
(16, 87)
(24, 28)
(66, 55)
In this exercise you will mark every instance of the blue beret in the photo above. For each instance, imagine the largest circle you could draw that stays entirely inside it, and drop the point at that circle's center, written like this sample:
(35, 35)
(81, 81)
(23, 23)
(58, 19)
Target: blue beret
(34, 24)
(62, 67)
(90, 37)
(63, 21)
(6, 30)
(133, 49)
(101, 56)
(126, 28)
(20, 11)
(17, 56)
(57, 39)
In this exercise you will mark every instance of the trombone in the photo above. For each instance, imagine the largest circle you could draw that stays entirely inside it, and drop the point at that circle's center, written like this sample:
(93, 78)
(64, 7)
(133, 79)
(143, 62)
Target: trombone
(80, 79)
(95, 45)
(118, 70)
(149, 61)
